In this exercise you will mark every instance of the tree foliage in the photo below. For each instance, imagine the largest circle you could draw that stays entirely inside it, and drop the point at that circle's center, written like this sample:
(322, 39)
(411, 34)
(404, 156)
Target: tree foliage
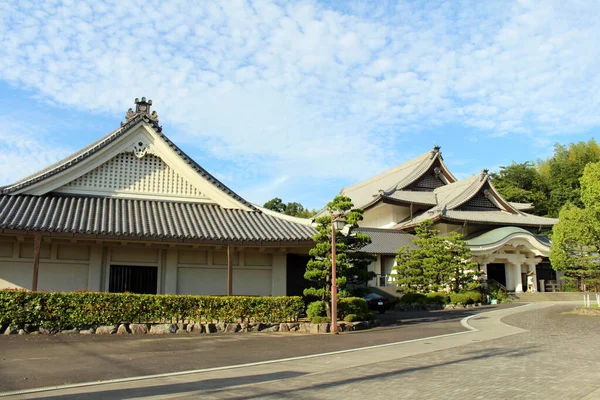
(292, 208)
(576, 237)
(548, 184)
(435, 262)
(351, 262)
(523, 183)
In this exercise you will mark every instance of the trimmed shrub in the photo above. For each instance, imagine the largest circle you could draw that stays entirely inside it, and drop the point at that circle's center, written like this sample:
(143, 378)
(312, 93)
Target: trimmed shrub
(462, 299)
(437, 298)
(366, 316)
(352, 305)
(474, 296)
(413, 299)
(83, 309)
(316, 309)
(319, 320)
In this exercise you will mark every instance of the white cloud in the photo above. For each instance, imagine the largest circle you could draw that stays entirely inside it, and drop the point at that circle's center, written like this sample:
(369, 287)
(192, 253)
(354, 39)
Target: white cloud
(280, 87)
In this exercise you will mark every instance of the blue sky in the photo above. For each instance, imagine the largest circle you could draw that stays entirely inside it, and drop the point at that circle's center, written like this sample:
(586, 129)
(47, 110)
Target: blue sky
(299, 99)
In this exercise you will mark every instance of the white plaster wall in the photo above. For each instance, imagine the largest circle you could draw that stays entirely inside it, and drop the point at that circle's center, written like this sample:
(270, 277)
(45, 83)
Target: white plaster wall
(384, 215)
(53, 276)
(202, 280)
(63, 267)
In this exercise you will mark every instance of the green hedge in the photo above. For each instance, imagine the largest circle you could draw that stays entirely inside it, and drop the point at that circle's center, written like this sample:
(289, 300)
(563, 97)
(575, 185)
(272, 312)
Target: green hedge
(79, 309)
(352, 305)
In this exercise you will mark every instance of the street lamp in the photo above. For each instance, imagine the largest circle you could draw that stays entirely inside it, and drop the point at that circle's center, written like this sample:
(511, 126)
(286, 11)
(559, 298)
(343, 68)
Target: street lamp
(337, 224)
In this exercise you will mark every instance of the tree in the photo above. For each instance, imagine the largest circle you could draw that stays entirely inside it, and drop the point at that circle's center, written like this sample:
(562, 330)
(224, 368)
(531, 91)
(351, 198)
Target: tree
(564, 170)
(292, 208)
(435, 262)
(349, 258)
(275, 204)
(576, 237)
(548, 184)
(523, 183)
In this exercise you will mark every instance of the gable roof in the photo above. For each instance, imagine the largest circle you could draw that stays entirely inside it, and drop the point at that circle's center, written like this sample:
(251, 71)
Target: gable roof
(395, 179)
(451, 198)
(135, 120)
(41, 203)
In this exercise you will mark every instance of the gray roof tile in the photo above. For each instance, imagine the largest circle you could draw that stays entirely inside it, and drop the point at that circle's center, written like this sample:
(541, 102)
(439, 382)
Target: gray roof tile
(144, 218)
(386, 241)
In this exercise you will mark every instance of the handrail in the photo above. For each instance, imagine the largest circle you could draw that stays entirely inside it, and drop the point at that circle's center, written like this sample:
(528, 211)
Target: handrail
(499, 284)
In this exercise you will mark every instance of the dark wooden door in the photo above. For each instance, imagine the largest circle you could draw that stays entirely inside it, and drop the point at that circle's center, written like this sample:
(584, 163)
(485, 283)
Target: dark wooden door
(133, 279)
(497, 272)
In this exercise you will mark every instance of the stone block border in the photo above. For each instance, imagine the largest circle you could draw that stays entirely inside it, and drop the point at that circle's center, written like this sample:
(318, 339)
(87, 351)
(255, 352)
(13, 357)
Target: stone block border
(194, 328)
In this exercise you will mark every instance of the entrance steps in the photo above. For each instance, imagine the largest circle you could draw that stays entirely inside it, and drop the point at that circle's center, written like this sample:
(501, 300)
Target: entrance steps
(550, 296)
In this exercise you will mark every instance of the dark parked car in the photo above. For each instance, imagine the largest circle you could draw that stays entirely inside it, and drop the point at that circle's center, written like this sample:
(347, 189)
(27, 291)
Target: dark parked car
(377, 302)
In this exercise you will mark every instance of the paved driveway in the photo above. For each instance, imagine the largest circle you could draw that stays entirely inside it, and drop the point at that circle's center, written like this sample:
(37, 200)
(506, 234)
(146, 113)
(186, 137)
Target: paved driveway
(35, 361)
(543, 353)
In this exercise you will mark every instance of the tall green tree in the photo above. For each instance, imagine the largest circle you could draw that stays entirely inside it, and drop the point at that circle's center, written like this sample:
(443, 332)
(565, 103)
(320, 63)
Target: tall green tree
(522, 183)
(564, 170)
(435, 262)
(576, 237)
(351, 262)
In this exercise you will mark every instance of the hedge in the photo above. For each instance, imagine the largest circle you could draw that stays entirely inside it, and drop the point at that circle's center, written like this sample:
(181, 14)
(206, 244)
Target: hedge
(81, 309)
(352, 305)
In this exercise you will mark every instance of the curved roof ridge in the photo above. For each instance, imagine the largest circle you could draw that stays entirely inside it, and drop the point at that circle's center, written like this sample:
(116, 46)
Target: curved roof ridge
(362, 193)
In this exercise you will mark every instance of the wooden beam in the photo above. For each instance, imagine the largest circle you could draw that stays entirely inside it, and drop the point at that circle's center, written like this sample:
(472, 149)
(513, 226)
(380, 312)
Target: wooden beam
(37, 244)
(229, 271)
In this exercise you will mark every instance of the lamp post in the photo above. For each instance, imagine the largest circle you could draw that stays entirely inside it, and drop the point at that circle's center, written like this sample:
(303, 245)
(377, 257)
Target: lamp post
(336, 224)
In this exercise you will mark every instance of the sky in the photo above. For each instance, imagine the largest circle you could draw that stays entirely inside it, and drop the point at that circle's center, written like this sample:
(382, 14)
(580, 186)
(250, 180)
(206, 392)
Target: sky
(300, 99)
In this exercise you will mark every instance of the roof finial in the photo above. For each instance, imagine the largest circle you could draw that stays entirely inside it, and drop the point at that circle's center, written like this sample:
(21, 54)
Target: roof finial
(436, 148)
(142, 108)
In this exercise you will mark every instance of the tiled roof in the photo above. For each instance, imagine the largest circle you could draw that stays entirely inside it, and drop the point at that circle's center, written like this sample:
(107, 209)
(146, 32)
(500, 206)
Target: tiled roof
(426, 198)
(98, 145)
(482, 217)
(144, 218)
(394, 179)
(386, 241)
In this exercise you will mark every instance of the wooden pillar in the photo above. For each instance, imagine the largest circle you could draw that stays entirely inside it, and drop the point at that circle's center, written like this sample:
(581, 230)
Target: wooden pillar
(229, 271)
(37, 244)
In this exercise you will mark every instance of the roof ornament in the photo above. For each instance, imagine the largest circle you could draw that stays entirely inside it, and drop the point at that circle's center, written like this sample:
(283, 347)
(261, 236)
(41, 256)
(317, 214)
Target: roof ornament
(434, 151)
(142, 108)
(484, 173)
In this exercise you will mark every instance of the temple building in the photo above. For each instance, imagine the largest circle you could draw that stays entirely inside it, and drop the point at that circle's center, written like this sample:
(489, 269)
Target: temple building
(132, 212)
(506, 241)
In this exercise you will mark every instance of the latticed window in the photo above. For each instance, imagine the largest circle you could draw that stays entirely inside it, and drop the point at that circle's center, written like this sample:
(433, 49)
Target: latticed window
(427, 183)
(128, 173)
(479, 202)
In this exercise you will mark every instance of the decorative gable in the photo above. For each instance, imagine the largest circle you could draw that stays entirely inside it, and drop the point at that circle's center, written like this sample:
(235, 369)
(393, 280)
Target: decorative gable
(480, 202)
(134, 173)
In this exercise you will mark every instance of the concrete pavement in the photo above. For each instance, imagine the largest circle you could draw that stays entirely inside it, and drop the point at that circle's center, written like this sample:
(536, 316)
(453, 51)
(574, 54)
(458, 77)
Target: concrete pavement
(371, 371)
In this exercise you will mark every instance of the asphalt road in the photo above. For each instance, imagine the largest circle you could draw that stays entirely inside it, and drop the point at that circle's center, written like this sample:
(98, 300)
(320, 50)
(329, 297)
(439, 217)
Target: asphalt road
(38, 361)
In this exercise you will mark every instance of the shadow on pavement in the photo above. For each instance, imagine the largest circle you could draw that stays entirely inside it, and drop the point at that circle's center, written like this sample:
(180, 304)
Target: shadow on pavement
(394, 318)
(474, 355)
(163, 390)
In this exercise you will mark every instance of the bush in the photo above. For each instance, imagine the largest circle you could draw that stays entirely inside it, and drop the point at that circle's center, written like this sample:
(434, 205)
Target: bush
(366, 316)
(316, 309)
(437, 298)
(462, 299)
(413, 299)
(474, 296)
(83, 309)
(319, 320)
(352, 305)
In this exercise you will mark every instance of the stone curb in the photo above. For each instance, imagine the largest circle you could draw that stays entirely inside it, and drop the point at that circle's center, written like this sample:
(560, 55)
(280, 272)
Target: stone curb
(193, 328)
